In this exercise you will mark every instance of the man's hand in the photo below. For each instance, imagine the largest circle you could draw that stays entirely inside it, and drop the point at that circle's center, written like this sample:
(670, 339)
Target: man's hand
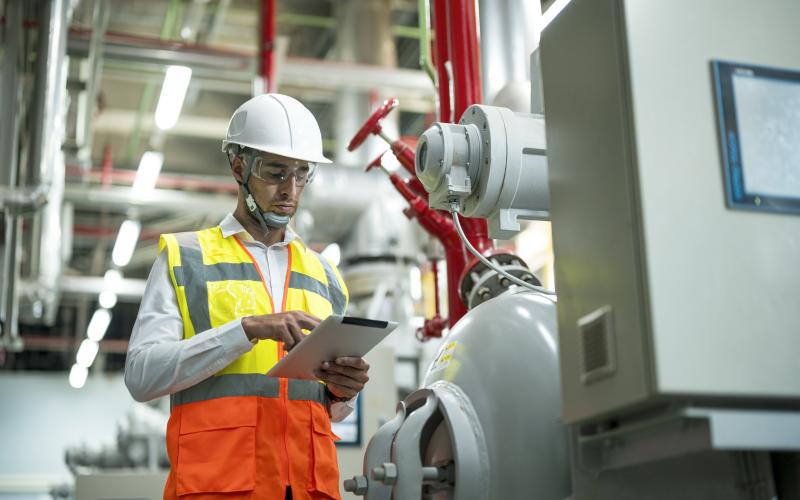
(286, 327)
(345, 377)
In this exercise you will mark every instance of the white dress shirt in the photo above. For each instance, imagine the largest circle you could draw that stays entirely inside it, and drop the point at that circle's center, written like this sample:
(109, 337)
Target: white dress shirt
(161, 362)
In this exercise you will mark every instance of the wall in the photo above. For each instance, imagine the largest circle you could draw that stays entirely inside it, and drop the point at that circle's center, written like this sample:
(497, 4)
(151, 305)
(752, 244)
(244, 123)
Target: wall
(41, 415)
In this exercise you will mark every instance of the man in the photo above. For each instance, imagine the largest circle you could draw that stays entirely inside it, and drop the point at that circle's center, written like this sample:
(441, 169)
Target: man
(221, 307)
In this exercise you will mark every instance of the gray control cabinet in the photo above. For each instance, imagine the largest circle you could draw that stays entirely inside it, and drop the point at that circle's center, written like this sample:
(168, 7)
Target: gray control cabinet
(665, 293)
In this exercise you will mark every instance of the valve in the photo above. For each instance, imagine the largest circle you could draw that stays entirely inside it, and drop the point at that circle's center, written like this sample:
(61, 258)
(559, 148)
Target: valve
(377, 163)
(372, 125)
(432, 328)
(405, 154)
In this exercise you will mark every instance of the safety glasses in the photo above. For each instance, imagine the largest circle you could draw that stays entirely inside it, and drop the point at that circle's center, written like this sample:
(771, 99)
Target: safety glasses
(275, 171)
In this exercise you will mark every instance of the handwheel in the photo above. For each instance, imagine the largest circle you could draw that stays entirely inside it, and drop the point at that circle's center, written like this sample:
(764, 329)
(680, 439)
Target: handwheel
(371, 126)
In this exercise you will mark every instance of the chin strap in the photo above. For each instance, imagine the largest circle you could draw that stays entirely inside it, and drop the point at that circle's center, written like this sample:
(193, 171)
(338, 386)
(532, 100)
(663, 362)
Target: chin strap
(267, 220)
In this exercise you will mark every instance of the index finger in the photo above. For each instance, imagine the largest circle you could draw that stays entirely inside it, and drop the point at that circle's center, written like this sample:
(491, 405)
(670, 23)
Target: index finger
(353, 362)
(307, 321)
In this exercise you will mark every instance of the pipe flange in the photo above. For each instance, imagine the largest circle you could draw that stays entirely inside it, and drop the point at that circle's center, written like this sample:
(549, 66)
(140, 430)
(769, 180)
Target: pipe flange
(480, 283)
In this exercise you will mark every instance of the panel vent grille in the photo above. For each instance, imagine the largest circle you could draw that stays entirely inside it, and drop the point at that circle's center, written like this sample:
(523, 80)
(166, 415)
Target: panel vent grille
(597, 345)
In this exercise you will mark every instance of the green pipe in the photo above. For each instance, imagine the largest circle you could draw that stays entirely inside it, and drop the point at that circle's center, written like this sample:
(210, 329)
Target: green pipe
(425, 60)
(330, 23)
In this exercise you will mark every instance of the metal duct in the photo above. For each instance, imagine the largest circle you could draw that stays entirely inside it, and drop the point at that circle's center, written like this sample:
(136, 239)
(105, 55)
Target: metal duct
(382, 232)
(46, 168)
(509, 34)
(363, 36)
(330, 204)
(10, 97)
(337, 197)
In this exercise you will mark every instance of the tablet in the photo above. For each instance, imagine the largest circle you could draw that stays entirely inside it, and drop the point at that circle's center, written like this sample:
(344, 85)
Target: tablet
(336, 337)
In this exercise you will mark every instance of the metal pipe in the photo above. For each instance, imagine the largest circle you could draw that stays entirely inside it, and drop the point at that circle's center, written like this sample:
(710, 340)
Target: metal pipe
(48, 240)
(9, 137)
(509, 34)
(11, 266)
(91, 70)
(44, 91)
(266, 49)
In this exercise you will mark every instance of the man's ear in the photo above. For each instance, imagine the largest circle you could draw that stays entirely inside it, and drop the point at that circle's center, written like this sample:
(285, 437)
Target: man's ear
(237, 167)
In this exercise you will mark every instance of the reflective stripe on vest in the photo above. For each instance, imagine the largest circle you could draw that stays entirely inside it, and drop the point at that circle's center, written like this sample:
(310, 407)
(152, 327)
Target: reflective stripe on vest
(249, 384)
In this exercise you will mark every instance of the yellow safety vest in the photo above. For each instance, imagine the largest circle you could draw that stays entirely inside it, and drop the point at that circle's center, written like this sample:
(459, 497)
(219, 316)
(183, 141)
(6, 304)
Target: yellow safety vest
(240, 432)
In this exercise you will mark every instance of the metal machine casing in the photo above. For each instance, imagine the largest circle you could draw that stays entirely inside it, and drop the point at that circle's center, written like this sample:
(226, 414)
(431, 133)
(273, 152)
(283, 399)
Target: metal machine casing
(487, 414)
(493, 162)
(664, 292)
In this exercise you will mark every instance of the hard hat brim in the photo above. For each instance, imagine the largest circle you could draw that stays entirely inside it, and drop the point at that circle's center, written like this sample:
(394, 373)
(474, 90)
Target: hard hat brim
(285, 152)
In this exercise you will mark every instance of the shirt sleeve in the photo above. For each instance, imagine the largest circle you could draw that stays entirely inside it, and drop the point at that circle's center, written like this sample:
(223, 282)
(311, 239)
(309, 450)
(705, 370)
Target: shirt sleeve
(159, 361)
(340, 410)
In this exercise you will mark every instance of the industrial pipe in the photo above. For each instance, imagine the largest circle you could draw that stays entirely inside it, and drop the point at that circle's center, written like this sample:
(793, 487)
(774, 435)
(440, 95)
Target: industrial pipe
(9, 139)
(442, 60)
(462, 52)
(267, 47)
(465, 55)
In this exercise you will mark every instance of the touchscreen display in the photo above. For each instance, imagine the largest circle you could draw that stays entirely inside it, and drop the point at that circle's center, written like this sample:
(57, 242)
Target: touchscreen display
(759, 119)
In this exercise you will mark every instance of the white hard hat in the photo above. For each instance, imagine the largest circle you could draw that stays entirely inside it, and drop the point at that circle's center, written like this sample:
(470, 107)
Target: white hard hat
(276, 124)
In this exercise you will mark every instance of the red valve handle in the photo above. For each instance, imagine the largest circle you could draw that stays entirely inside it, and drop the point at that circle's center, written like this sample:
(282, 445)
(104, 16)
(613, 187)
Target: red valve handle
(375, 163)
(371, 126)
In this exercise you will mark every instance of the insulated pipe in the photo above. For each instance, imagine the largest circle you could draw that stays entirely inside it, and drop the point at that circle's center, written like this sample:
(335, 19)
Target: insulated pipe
(9, 138)
(51, 39)
(267, 48)
(509, 34)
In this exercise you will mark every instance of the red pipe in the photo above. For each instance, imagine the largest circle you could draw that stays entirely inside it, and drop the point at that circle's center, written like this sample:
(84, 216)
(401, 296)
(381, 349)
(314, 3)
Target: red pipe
(442, 228)
(107, 166)
(127, 177)
(106, 232)
(267, 52)
(465, 55)
(406, 156)
(441, 55)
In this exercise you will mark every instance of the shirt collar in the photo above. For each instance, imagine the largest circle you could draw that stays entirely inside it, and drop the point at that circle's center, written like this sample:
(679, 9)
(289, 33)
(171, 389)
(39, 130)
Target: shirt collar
(230, 226)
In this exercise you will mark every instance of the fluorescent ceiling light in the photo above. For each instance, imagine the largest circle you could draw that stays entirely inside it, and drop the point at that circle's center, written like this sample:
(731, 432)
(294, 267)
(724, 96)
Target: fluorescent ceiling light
(333, 253)
(415, 290)
(147, 175)
(107, 299)
(77, 376)
(112, 278)
(127, 238)
(170, 102)
(98, 325)
(86, 353)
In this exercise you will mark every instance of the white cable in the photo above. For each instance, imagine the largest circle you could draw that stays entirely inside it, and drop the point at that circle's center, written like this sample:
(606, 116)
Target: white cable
(493, 266)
